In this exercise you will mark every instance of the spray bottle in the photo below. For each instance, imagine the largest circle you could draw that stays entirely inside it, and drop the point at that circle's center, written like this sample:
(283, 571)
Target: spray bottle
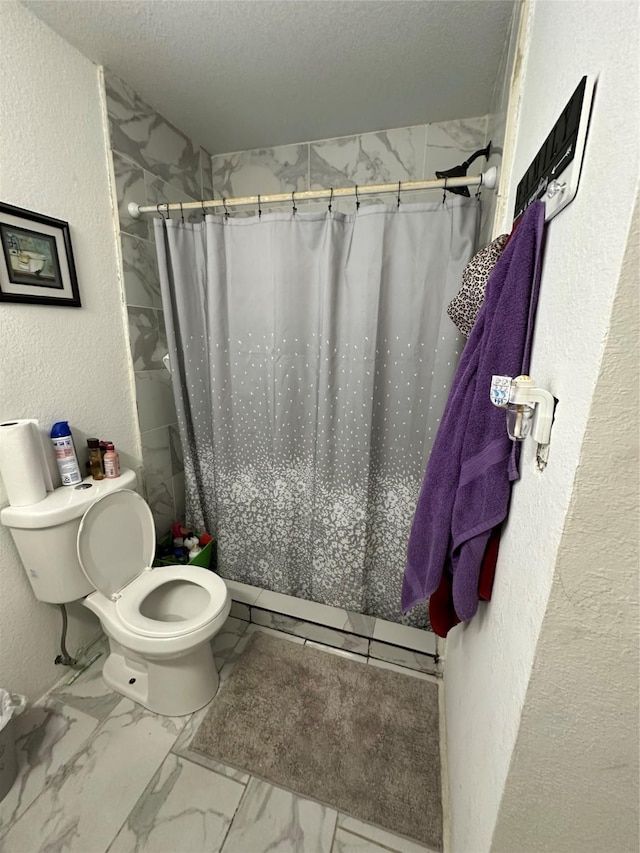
(65, 454)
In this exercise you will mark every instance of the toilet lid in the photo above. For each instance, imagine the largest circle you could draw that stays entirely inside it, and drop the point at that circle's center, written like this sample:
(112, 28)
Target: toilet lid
(116, 540)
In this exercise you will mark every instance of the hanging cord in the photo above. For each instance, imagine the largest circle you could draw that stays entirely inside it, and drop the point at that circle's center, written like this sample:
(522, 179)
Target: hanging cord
(331, 200)
(65, 658)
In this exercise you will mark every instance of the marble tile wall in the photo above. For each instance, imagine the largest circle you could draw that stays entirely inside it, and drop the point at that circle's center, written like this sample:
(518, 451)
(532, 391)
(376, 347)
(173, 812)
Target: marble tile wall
(385, 156)
(153, 162)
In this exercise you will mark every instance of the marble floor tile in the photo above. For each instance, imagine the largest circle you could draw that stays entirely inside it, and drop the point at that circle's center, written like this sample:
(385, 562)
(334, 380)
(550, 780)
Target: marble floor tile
(404, 635)
(226, 640)
(404, 670)
(340, 652)
(312, 611)
(88, 799)
(402, 657)
(310, 631)
(46, 738)
(184, 808)
(88, 693)
(272, 820)
(363, 834)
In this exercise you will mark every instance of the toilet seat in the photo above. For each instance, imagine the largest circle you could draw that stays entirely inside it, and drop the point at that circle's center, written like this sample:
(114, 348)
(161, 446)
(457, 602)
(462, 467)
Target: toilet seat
(116, 545)
(132, 597)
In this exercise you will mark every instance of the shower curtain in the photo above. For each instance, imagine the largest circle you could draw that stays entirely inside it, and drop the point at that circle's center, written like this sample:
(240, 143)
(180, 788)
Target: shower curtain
(311, 359)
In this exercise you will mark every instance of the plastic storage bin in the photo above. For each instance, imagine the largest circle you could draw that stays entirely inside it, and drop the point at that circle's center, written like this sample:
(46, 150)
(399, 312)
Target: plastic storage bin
(206, 558)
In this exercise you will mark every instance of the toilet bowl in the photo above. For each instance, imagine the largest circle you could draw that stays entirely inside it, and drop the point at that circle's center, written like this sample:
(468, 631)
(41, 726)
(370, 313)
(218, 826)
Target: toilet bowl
(160, 621)
(95, 542)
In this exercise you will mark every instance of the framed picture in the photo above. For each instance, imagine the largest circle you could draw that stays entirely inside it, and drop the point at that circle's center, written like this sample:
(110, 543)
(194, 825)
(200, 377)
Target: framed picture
(36, 260)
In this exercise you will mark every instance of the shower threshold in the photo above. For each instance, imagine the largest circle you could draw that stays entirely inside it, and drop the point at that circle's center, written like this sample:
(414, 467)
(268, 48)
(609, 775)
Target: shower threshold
(353, 633)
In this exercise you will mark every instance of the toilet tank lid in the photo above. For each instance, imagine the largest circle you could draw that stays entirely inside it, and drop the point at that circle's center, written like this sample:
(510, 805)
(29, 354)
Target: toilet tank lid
(65, 503)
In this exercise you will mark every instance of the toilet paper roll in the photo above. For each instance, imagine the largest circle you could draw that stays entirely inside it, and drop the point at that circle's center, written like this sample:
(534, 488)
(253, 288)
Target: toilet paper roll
(22, 463)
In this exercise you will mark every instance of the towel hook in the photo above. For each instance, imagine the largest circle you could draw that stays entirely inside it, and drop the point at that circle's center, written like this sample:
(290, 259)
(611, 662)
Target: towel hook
(331, 200)
(398, 205)
(357, 200)
(293, 202)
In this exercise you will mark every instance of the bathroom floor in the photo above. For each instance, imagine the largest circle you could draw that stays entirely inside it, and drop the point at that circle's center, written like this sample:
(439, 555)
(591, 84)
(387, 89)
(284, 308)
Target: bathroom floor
(99, 773)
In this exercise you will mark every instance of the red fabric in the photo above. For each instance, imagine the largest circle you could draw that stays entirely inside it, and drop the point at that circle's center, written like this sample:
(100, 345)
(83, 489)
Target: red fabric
(488, 569)
(442, 614)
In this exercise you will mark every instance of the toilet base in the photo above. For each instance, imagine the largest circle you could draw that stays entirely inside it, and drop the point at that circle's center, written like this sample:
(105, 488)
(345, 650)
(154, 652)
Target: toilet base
(173, 687)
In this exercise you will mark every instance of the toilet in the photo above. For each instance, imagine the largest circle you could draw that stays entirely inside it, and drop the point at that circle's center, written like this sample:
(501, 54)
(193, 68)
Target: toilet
(96, 542)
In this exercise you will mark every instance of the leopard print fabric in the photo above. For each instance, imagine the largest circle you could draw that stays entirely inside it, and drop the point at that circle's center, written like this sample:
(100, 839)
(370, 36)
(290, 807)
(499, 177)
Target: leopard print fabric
(464, 307)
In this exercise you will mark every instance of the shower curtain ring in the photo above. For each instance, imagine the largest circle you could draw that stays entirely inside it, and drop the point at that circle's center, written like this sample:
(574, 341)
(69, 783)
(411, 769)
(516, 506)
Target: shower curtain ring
(444, 191)
(479, 188)
(204, 210)
(259, 208)
(357, 200)
(293, 202)
(331, 200)
(224, 204)
(181, 214)
(398, 205)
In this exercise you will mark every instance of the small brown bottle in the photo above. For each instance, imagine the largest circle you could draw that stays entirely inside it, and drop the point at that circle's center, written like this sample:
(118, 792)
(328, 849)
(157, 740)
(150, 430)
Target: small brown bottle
(95, 459)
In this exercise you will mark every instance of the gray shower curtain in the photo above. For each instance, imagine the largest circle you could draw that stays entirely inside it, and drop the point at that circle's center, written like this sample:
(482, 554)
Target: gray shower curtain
(311, 359)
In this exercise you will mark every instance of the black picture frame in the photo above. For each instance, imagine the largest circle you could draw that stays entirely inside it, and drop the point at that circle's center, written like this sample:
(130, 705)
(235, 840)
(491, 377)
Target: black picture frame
(36, 259)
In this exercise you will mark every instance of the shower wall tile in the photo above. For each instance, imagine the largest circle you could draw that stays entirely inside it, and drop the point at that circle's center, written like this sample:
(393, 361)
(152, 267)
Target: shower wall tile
(160, 192)
(264, 170)
(402, 657)
(144, 136)
(177, 459)
(129, 187)
(160, 499)
(179, 496)
(448, 140)
(140, 267)
(147, 337)
(156, 457)
(369, 158)
(206, 175)
(310, 631)
(155, 399)
(311, 611)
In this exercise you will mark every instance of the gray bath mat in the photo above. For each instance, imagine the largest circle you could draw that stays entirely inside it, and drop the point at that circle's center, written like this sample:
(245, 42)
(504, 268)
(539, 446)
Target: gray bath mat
(355, 737)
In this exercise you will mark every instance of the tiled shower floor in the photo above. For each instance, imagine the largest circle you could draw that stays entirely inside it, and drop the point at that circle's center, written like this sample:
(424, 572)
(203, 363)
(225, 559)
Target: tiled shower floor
(99, 773)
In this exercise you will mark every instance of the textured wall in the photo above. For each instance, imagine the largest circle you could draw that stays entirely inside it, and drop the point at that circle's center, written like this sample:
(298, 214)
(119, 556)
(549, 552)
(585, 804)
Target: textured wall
(385, 156)
(489, 661)
(57, 363)
(153, 162)
(573, 780)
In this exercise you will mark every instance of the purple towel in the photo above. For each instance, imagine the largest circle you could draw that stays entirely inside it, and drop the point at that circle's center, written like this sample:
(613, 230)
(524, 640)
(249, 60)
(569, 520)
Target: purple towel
(465, 492)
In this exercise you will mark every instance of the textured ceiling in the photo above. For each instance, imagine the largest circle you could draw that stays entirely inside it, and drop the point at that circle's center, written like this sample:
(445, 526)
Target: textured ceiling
(239, 74)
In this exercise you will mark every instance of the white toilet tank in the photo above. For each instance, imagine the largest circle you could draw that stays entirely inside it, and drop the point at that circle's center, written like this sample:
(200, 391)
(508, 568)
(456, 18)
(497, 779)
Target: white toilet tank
(45, 535)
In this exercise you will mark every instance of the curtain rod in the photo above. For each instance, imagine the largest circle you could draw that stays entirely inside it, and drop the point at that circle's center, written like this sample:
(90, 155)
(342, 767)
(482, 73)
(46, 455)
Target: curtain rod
(488, 179)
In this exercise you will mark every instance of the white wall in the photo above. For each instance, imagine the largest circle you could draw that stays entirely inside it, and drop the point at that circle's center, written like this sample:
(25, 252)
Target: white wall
(573, 780)
(57, 363)
(489, 661)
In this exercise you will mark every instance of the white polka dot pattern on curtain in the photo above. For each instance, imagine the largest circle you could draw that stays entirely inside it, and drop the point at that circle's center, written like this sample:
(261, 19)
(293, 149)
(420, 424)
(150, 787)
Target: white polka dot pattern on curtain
(312, 357)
